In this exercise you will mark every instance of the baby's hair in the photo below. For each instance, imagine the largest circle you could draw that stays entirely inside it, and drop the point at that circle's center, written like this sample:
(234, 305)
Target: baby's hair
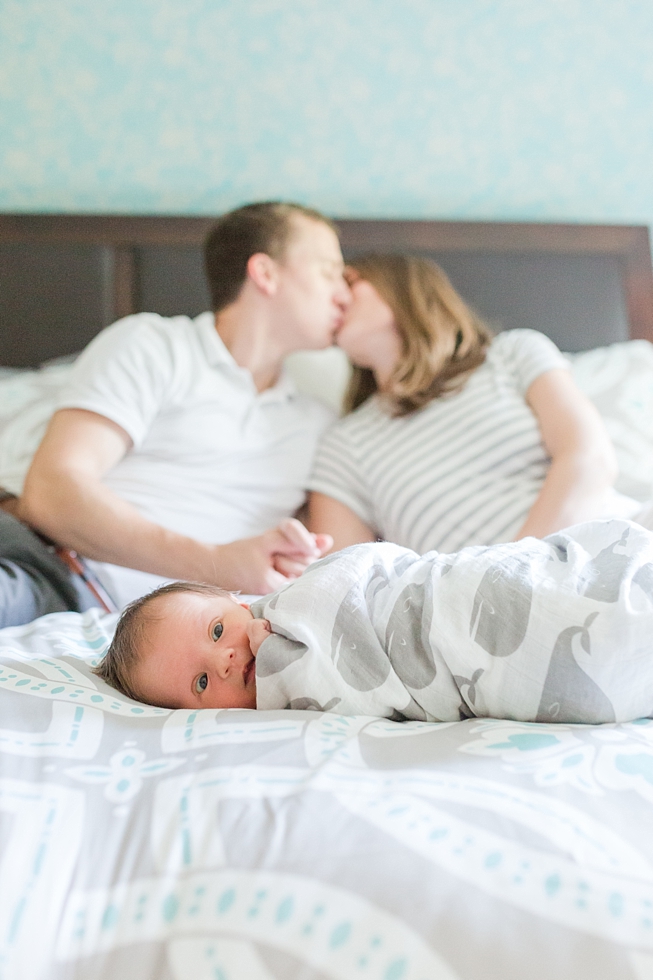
(117, 665)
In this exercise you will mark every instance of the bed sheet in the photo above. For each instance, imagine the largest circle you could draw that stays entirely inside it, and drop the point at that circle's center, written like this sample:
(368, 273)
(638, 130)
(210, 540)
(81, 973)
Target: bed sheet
(137, 842)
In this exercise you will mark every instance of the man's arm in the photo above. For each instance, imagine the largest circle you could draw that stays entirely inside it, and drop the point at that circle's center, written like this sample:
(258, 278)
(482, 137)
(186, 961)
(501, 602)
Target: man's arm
(583, 463)
(64, 497)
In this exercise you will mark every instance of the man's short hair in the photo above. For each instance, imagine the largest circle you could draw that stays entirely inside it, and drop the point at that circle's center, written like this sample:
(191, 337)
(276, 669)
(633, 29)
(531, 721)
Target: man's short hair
(262, 227)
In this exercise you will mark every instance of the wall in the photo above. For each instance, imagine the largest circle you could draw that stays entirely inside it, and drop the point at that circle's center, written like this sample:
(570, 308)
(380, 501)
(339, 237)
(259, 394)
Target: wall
(510, 109)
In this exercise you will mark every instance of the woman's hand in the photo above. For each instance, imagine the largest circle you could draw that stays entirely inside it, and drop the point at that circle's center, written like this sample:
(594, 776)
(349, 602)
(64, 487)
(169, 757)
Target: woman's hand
(297, 548)
(583, 461)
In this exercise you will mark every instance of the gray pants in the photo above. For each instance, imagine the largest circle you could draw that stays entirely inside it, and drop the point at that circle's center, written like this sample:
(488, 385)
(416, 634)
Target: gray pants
(33, 580)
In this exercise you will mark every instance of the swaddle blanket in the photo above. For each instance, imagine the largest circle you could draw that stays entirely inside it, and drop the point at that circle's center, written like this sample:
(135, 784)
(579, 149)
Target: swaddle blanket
(559, 629)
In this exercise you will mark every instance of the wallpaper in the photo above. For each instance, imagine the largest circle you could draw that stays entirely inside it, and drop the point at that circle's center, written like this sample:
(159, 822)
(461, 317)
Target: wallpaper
(509, 109)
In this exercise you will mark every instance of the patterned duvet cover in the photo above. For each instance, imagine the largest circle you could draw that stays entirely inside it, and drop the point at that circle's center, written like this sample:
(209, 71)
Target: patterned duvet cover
(140, 843)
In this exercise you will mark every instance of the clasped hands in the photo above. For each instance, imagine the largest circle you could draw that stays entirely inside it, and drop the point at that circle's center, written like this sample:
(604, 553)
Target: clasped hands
(262, 564)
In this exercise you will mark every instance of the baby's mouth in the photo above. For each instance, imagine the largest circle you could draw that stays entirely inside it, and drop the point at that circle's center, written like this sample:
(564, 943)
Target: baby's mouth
(249, 670)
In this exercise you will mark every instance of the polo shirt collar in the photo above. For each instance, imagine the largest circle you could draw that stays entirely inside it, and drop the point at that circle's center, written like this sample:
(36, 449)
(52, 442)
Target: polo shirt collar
(218, 355)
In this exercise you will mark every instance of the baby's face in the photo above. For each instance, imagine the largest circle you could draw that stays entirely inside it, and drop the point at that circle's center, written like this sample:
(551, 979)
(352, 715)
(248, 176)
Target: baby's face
(199, 653)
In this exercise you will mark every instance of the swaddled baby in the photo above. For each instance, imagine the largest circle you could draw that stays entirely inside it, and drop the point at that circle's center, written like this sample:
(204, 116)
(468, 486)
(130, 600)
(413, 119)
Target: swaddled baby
(559, 629)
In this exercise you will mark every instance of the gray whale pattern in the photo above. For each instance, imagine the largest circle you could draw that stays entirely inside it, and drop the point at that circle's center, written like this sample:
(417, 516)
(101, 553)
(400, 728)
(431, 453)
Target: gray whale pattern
(355, 649)
(569, 693)
(558, 630)
(407, 639)
(602, 577)
(502, 606)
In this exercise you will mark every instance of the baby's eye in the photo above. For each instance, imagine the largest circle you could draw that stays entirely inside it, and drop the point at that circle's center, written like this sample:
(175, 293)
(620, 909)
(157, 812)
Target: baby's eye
(216, 632)
(202, 683)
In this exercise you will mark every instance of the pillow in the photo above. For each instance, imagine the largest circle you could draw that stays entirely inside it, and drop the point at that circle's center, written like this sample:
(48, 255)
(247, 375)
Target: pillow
(27, 401)
(321, 373)
(619, 380)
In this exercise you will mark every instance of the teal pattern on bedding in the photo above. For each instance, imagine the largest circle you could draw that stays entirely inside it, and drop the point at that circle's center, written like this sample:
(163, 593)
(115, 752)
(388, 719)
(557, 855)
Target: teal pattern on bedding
(298, 845)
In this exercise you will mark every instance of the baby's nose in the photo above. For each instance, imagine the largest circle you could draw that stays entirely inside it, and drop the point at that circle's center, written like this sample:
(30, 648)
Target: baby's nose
(226, 658)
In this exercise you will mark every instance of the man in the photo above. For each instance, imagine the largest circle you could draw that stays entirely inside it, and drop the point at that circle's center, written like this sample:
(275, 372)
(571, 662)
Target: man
(178, 444)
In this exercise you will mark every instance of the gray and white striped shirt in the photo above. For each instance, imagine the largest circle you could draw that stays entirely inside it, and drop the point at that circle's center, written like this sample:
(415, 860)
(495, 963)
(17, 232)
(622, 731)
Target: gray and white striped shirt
(464, 470)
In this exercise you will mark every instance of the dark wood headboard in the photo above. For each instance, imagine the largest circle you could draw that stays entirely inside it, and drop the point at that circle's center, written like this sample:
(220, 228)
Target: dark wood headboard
(64, 277)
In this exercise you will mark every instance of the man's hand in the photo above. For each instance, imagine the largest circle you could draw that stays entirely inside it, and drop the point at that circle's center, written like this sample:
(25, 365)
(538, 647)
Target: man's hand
(262, 564)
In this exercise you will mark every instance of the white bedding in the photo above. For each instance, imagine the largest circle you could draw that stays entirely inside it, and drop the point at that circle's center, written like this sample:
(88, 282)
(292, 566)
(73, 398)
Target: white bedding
(144, 844)
(140, 843)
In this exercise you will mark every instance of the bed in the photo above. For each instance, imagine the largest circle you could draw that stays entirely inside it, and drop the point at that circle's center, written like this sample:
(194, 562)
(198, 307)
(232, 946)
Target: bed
(137, 842)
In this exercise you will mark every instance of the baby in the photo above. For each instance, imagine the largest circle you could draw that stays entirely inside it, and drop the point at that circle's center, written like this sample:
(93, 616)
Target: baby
(186, 645)
(559, 629)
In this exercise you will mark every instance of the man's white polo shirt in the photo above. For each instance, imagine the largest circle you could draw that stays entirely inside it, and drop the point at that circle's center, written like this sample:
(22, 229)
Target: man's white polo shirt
(211, 458)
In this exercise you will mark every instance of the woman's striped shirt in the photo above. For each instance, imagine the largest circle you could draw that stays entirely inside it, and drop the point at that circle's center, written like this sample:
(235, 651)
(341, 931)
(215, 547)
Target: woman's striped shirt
(465, 469)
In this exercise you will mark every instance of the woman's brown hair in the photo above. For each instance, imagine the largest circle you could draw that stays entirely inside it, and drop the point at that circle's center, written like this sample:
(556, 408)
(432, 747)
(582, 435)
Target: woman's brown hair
(443, 340)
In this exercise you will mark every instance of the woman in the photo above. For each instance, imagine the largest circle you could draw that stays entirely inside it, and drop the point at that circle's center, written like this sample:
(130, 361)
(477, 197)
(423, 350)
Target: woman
(455, 437)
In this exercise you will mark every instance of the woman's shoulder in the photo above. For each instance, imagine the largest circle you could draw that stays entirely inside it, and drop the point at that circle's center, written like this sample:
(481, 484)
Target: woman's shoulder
(524, 354)
(518, 339)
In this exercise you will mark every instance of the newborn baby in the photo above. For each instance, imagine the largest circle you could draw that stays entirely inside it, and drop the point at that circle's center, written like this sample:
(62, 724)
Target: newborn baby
(559, 629)
(186, 645)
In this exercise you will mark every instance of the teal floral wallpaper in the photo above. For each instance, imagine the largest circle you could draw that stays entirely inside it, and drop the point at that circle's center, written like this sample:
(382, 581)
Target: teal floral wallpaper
(510, 109)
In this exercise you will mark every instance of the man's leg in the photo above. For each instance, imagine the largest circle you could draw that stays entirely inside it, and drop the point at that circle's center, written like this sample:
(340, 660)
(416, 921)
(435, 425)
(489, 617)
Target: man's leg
(33, 581)
(26, 595)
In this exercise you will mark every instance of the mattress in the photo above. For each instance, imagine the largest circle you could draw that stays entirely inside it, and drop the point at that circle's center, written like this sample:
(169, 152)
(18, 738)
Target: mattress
(138, 842)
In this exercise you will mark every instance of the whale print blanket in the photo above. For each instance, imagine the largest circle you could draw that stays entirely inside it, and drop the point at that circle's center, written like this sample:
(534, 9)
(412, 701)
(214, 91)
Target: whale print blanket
(559, 629)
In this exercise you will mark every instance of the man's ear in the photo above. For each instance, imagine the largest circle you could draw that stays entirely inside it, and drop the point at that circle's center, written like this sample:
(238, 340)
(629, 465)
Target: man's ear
(262, 270)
